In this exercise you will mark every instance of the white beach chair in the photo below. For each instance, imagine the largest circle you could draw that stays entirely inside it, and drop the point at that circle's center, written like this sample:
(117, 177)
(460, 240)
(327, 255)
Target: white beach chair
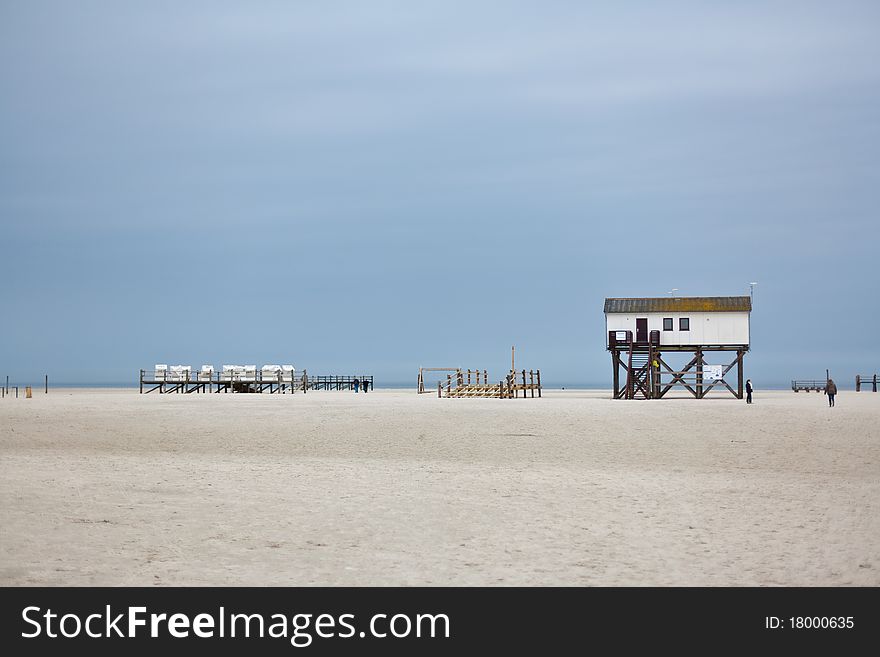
(270, 373)
(229, 372)
(250, 373)
(287, 373)
(180, 372)
(160, 372)
(206, 373)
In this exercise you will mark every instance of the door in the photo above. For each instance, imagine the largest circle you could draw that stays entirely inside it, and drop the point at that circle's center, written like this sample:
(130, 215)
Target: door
(642, 329)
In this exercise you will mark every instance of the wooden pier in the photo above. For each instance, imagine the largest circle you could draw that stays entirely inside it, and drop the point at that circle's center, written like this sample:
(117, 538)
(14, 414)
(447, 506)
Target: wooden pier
(219, 382)
(808, 385)
(365, 382)
(866, 380)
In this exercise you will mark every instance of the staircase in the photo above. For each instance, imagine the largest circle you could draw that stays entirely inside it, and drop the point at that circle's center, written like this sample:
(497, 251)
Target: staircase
(638, 385)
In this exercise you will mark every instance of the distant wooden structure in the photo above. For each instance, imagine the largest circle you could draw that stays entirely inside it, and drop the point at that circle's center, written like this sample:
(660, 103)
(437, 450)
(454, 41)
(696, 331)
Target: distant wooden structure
(4, 389)
(870, 379)
(808, 385)
(640, 329)
(258, 381)
(420, 386)
(475, 383)
(525, 384)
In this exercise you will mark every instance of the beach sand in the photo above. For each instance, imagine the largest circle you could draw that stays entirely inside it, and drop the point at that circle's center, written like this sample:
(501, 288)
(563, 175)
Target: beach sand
(109, 487)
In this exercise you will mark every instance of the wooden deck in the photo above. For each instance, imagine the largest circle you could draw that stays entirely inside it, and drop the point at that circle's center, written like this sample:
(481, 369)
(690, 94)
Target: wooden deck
(224, 383)
(808, 385)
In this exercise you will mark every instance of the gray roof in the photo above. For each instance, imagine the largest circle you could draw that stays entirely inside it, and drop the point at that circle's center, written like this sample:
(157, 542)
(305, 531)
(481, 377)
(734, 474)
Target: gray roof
(678, 305)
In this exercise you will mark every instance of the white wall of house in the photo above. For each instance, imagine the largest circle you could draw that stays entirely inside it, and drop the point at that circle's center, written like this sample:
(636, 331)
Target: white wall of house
(727, 328)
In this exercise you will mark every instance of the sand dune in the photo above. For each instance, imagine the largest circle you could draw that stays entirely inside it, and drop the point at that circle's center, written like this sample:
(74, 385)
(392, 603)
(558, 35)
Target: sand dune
(108, 487)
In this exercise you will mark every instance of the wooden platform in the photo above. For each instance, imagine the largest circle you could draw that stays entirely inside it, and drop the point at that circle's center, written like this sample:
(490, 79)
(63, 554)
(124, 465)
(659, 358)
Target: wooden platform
(525, 384)
(808, 386)
(220, 383)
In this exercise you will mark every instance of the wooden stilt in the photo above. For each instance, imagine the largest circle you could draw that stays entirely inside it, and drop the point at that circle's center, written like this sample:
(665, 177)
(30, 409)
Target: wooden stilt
(739, 374)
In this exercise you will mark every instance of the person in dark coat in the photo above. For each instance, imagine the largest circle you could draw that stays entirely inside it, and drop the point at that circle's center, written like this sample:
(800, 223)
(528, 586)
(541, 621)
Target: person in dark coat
(748, 391)
(356, 384)
(830, 390)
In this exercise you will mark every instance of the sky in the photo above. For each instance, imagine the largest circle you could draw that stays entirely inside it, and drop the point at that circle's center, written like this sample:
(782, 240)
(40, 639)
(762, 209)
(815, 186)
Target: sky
(371, 187)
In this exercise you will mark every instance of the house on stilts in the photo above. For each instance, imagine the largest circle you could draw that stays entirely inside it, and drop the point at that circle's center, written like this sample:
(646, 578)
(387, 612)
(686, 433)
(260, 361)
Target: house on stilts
(642, 332)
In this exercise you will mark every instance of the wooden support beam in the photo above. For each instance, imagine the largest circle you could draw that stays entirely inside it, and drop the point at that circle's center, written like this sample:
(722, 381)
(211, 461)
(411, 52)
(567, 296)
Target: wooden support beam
(739, 374)
(678, 377)
(615, 368)
(699, 385)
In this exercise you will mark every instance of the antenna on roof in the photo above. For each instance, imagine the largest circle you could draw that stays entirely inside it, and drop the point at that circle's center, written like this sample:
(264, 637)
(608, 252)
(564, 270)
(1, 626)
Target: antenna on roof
(752, 289)
(673, 291)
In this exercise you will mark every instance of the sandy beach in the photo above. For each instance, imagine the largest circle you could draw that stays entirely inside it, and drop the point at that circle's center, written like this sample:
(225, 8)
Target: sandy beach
(109, 487)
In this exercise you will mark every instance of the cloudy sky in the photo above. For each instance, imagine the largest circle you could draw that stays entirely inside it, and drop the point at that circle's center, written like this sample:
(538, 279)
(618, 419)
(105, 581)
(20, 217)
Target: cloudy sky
(375, 186)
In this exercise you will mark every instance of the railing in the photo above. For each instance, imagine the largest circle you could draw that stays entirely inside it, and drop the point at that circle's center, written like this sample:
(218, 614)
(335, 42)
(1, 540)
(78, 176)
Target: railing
(332, 382)
(808, 385)
(479, 386)
(622, 339)
(249, 381)
(870, 379)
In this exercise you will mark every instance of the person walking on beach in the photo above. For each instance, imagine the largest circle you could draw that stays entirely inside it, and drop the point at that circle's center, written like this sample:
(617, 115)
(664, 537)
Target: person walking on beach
(356, 384)
(830, 390)
(748, 391)
(366, 385)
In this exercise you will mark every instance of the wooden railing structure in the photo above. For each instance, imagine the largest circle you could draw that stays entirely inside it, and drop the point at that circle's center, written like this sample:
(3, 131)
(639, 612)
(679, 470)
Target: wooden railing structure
(420, 386)
(808, 385)
(217, 382)
(475, 383)
(870, 379)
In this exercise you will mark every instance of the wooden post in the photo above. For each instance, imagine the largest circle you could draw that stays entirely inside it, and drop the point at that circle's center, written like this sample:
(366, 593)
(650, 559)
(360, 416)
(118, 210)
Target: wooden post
(875, 383)
(524, 383)
(439, 389)
(699, 385)
(739, 374)
(858, 384)
(47, 384)
(615, 367)
(142, 382)
(532, 382)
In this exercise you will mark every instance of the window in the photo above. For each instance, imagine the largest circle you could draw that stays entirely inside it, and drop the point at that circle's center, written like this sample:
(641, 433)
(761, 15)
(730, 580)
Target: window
(667, 323)
(684, 324)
